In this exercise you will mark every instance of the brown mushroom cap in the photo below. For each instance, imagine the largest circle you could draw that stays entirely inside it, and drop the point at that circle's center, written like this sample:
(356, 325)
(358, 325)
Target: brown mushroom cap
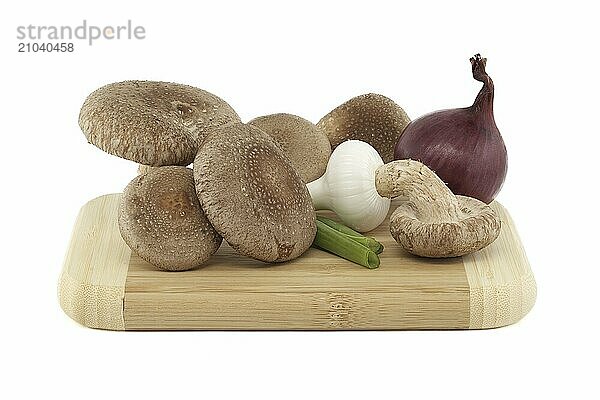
(372, 118)
(303, 143)
(476, 227)
(252, 195)
(152, 123)
(161, 220)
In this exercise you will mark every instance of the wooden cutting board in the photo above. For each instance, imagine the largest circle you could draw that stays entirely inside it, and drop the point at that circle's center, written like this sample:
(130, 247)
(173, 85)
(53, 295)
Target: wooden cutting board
(104, 285)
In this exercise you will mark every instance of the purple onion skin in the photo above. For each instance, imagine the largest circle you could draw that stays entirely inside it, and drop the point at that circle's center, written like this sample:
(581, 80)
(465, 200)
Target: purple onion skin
(463, 145)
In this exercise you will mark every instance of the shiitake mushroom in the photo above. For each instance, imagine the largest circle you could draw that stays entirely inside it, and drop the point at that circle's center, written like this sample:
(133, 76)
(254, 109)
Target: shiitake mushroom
(304, 143)
(152, 123)
(161, 220)
(372, 118)
(252, 194)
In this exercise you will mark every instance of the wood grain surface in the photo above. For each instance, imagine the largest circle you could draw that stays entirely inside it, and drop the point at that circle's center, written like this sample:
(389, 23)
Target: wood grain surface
(105, 285)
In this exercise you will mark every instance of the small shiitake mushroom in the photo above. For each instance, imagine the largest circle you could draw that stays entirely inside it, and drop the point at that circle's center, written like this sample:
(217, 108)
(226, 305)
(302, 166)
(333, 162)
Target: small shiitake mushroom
(152, 123)
(372, 118)
(252, 194)
(434, 222)
(161, 220)
(305, 144)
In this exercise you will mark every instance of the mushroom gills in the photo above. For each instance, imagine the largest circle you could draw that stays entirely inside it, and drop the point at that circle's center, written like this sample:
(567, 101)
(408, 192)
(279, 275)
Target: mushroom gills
(433, 222)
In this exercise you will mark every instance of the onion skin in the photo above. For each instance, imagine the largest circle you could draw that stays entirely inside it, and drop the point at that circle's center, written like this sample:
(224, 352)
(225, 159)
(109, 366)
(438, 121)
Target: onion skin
(463, 146)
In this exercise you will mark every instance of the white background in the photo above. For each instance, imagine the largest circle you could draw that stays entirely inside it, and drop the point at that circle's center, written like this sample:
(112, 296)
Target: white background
(306, 58)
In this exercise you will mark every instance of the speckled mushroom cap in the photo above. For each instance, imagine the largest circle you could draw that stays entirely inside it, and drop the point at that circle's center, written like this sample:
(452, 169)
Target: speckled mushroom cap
(161, 220)
(372, 118)
(252, 195)
(476, 227)
(152, 123)
(303, 143)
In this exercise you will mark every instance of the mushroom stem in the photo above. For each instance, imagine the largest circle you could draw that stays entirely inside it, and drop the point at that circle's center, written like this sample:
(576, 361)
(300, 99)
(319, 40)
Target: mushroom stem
(426, 192)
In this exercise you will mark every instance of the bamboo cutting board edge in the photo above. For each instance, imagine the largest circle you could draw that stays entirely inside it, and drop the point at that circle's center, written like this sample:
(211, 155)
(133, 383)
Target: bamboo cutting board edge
(494, 294)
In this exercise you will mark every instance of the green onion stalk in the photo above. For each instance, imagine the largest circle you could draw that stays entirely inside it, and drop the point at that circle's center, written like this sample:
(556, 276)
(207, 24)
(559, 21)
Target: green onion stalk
(344, 242)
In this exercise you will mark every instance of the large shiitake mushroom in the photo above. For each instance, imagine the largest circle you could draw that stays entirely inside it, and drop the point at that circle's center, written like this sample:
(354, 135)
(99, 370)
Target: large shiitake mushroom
(252, 195)
(160, 218)
(372, 118)
(152, 123)
(305, 144)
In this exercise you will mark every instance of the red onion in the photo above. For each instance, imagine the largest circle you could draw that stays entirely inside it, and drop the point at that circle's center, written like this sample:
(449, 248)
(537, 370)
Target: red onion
(463, 145)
